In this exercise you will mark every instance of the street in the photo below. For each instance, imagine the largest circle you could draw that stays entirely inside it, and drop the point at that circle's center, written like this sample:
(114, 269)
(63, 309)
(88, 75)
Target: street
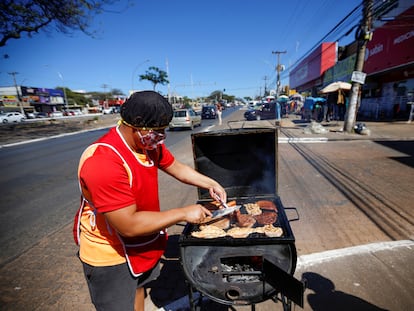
(346, 192)
(39, 181)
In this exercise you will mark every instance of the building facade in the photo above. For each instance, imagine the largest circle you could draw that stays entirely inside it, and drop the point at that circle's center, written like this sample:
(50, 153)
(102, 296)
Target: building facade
(31, 99)
(388, 90)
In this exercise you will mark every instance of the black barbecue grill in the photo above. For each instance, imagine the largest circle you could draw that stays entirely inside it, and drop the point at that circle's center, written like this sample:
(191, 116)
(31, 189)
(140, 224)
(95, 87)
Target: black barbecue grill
(241, 271)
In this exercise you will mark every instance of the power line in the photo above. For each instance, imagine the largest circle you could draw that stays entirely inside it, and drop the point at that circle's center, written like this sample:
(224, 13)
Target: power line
(330, 33)
(351, 21)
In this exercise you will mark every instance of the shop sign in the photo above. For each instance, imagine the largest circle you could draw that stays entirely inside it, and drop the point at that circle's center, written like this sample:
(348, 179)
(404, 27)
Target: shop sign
(314, 65)
(359, 77)
(342, 70)
(391, 45)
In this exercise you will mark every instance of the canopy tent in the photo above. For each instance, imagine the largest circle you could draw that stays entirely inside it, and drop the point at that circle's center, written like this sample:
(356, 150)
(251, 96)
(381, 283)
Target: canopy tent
(282, 98)
(336, 86)
(297, 96)
(311, 101)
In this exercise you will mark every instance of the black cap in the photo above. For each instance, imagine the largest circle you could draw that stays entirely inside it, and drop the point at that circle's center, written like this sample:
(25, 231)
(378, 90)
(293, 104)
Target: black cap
(147, 109)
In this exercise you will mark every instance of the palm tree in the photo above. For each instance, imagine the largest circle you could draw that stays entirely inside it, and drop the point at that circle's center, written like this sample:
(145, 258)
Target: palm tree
(155, 75)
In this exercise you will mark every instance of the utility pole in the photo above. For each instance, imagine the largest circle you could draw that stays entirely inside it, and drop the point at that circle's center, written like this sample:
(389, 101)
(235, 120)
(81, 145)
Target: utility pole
(265, 85)
(19, 103)
(168, 75)
(364, 35)
(104, 86)
(278, 70)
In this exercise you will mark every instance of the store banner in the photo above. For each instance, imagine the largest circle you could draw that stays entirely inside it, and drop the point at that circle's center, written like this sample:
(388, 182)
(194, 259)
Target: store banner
(392, 45)
(314, 65)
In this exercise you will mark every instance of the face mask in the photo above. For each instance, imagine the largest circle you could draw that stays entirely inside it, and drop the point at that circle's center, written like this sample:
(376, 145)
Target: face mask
(151, 140)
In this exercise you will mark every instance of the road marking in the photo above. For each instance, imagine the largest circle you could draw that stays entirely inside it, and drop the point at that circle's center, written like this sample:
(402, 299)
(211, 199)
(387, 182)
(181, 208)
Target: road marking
(294, 140)
(50, 137)
(306, 261)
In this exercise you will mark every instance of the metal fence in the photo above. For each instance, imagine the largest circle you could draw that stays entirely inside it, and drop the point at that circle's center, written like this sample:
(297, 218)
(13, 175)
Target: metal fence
(384, 108)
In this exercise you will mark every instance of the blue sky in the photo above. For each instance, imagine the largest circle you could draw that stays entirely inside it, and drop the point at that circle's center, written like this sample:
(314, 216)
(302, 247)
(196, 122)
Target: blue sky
(208, 45)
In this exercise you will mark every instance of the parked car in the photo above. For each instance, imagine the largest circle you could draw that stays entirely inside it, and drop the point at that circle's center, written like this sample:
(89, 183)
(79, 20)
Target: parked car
(209, 112)
(30, 115)
(55, 114)
(67, 113)
(72, 112)
(266, 112)
(41, 115)
(185, 118)
(107, 110)
(11, 117)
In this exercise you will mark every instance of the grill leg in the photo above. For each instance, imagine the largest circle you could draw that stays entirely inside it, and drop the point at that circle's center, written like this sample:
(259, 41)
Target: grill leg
(195, 302)
(287, 303)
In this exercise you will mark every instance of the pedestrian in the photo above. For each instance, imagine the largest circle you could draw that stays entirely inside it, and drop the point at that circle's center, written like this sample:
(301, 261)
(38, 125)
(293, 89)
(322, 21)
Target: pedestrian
(308, 108)
(219, 112)
(341, 105)
(278, 111)
(119, 227)
(328, 107)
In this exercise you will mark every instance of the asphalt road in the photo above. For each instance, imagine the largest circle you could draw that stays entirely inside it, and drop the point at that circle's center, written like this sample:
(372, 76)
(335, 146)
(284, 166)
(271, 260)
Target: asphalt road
(39, 190)
(40, 193)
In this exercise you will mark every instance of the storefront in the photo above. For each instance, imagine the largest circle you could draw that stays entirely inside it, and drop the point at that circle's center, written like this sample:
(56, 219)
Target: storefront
(389, 65)
(31, 99)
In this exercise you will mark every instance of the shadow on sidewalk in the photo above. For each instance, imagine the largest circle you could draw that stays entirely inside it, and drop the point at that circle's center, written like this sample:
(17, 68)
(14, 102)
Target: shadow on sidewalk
(406, 147)
(325, 297)
(171, 284)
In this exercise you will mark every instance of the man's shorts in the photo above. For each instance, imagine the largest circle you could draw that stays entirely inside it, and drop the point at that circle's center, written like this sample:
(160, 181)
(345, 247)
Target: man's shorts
(113, 288)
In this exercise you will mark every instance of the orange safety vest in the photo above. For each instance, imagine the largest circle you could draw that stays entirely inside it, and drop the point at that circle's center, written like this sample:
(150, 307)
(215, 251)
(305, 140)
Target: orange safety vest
(141, 253)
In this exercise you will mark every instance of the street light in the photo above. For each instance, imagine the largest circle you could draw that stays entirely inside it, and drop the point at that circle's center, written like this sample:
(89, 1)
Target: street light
(63, 86)
(64, 90)
(135, 71)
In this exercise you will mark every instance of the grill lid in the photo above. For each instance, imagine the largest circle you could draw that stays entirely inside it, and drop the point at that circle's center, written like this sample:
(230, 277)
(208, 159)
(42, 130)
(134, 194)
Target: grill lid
(243, 161)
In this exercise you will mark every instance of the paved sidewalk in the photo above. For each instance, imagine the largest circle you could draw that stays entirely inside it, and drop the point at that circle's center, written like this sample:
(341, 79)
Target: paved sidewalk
(294, 129)
(371, 277)
(397, 130)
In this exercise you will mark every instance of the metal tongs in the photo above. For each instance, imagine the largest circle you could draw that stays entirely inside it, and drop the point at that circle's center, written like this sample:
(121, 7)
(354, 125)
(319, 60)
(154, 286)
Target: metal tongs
(223, 211)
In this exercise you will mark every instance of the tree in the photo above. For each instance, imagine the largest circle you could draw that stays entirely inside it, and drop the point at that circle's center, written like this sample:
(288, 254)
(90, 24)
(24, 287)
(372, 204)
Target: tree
(117, 92)
(229, 98)
(155, 75)
(215, 95)
(74, 98)
(30, 16)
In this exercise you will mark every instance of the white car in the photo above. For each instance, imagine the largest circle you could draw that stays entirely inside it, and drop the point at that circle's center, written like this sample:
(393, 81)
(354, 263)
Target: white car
(55, 114)
(107, 110)
(10, 117)
(185, 118)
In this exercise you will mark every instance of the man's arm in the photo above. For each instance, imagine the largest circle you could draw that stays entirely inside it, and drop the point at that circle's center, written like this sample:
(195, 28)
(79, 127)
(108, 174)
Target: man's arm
(129, 222)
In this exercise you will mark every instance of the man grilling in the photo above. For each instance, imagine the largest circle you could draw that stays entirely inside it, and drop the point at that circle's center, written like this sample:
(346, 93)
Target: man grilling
(119, 227)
